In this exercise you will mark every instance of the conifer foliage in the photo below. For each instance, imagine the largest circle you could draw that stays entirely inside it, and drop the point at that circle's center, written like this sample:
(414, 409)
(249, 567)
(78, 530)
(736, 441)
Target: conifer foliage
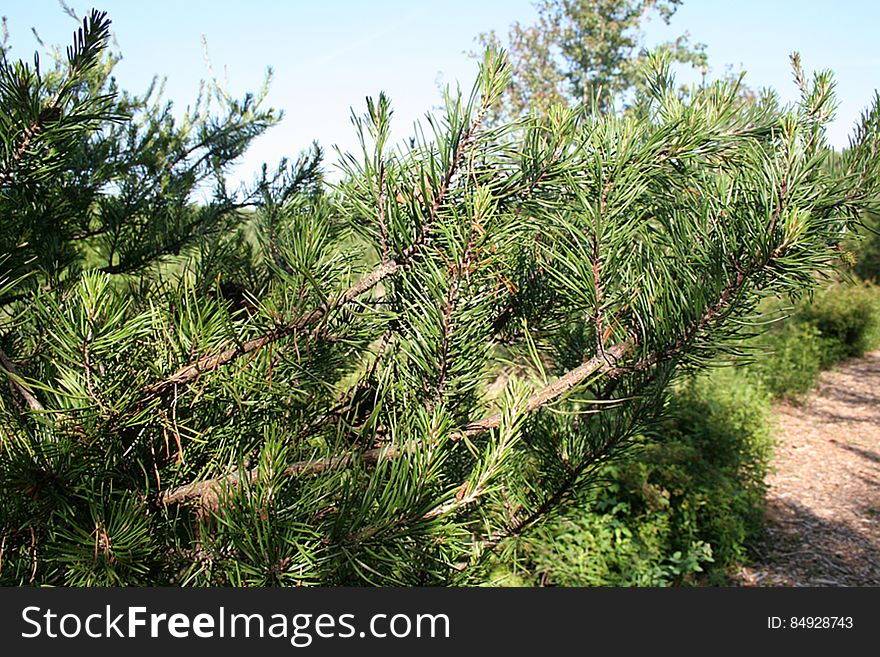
(377, 381)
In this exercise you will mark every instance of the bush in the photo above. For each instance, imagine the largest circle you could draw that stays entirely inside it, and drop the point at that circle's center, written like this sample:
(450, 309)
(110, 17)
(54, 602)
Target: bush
(614, 548)
(867, 248)
(788, 358)
(847, 317)
(720, 444)
(841, 321)
(682, 509)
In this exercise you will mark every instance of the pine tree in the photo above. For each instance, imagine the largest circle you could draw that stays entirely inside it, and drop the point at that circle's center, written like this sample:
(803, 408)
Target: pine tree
(382, 380)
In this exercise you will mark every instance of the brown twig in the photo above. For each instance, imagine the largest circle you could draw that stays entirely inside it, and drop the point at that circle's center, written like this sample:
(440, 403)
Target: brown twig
(599, 364)
(382, 200)
(550, 392)
(16, 380)
(209, 489)
(230, 351)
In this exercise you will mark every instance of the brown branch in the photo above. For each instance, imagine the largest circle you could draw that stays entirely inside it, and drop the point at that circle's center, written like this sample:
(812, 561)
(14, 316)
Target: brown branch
(598, 289)
(696, 326)
(439, 198)
(30, 132)
(382, 200)
(563, 384)
(457, 271)
(87, 372)
(231, 351)
(15, 379)
(209, 489)
(599, 364)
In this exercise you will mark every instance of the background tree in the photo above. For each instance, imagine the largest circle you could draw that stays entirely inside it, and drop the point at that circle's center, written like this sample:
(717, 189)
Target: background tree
(334, 421)
(584, 51)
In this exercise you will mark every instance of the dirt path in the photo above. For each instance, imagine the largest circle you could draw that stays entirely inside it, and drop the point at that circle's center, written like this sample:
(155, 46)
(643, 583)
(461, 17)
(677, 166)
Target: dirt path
(824, 497)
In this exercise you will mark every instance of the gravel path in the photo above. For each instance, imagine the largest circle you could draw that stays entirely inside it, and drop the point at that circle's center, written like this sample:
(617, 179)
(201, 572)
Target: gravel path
(824, 497)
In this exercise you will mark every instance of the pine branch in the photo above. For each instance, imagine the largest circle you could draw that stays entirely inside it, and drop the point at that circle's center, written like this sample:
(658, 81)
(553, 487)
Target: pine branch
(458, 270)
(440, 198)
(544, 396)
(209, 489)
(577, 474)
(598, 289)
(674, 349)
(89, 41)
(599, 364)
(385, 269)
(383, 226)
(17, 381)
(604, 364)
(232, 351)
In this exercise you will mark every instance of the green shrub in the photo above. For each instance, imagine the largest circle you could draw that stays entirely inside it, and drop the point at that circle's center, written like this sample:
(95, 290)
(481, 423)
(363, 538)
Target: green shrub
(847, 317)
(682, 508)
(841, 321)
(716, 459)
(788, 358)
(867, 248)
(613, 547)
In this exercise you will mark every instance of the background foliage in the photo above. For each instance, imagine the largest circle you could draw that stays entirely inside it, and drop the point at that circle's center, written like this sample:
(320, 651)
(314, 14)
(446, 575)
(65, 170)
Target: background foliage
(586, 52)
(682, 507)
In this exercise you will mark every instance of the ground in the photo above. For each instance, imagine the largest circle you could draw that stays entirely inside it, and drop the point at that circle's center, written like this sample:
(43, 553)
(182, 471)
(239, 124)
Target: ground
(823, 509)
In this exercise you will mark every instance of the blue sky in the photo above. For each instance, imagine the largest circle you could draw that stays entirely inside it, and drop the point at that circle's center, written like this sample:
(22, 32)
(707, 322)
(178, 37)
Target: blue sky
(328, 55)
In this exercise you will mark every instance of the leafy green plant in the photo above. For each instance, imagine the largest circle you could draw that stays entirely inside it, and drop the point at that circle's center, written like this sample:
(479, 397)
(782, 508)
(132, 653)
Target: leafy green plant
(721, 436)
(840, 321)
(789, 357)
(683, 507)
(847, 317)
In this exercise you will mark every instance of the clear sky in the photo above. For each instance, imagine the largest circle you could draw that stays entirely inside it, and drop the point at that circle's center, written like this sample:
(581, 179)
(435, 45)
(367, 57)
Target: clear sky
(328, 55)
